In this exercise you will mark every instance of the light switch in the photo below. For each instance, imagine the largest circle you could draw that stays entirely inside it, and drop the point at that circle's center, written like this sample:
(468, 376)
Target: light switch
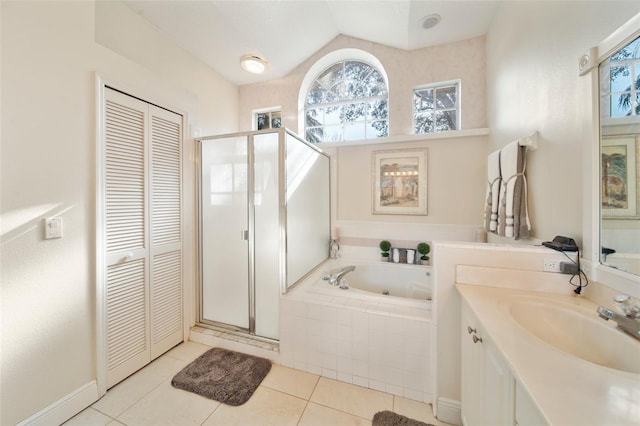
(53, 228)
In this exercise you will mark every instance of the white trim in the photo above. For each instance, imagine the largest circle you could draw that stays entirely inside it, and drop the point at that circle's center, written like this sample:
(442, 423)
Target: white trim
(448, 411)
(325, 62)
(66, 407)
(619, 38)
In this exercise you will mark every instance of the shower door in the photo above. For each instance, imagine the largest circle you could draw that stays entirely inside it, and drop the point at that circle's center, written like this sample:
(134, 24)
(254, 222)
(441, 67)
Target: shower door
(241, 236)
(224, 229)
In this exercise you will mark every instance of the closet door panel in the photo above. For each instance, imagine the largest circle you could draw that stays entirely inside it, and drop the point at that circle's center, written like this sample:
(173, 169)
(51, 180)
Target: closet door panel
(126, 231)
(166, 230)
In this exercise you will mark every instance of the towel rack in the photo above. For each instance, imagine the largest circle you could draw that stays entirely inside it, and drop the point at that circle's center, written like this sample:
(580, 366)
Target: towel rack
(531, 142)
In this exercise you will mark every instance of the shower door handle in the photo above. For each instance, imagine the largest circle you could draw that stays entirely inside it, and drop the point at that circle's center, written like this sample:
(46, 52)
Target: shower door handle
(244, 235)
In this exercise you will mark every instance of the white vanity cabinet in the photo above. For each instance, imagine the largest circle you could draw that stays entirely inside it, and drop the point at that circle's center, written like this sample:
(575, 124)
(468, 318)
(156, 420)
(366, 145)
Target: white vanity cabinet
(490, 394)
(487, 384)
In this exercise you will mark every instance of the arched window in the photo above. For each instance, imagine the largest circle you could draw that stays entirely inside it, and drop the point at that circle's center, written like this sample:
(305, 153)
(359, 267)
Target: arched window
(349, 100)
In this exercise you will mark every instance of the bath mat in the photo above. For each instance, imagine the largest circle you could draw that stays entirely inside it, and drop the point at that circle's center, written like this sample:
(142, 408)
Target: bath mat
(389, 418)
(223, 375)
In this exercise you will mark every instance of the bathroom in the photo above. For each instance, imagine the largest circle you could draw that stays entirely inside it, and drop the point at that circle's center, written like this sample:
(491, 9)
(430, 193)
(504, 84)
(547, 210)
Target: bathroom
(525, 79)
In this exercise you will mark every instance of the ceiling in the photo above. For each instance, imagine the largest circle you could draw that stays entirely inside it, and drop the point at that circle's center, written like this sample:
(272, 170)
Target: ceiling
(287, 32)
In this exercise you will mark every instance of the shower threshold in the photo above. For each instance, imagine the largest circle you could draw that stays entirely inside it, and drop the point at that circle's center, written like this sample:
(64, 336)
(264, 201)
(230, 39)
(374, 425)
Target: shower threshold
(234, 336)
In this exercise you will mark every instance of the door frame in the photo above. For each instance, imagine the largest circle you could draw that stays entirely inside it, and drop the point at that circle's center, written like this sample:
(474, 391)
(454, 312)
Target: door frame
(135, 90)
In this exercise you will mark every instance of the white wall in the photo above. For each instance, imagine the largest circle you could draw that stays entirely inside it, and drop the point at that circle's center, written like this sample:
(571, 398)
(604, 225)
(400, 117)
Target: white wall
(49, 60)
(533, 85)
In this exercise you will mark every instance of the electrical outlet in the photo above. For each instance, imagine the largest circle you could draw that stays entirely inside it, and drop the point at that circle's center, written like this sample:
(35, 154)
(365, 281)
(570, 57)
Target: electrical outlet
(551, 265)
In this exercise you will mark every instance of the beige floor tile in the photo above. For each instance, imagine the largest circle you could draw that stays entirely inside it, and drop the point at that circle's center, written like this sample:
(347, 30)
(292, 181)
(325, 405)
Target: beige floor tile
(413, 409)
(287, 380)
(352, 399)
(188, 351)
(166, 405)
(126, 393)
(317, 415)
(266, 407)
(88, 417)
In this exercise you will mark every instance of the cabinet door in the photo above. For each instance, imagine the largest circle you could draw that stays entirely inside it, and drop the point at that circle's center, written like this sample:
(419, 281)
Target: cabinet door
(497, 387)
(471, 371)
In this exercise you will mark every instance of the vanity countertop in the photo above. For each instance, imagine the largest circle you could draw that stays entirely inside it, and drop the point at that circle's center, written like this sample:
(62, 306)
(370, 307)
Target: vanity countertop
(567, 390)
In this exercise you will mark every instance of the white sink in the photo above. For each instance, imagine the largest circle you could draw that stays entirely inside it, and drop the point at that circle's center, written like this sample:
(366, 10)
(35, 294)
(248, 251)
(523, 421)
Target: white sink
(577, 332)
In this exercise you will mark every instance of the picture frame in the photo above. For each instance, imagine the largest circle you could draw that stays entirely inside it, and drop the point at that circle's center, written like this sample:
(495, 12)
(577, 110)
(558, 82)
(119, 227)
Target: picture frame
(399, 180)
(618, 174)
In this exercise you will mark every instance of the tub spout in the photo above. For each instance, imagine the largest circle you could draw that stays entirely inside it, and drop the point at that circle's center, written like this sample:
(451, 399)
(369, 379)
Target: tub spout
(336, 275)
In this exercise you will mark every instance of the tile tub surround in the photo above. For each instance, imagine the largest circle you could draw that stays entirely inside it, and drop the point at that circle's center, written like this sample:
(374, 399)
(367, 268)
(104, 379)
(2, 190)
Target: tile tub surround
(371, 341)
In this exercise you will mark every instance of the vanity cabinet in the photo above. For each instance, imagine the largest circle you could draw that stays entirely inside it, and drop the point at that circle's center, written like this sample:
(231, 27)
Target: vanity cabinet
(487, 384)
(490, 394)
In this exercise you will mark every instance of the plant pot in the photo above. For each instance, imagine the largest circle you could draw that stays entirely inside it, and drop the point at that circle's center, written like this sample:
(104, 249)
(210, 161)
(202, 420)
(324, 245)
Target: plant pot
(384, 258)
(424, 262)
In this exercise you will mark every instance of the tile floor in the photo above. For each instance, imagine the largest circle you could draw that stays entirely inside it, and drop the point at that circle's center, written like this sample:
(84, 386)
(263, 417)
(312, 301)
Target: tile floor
(285, 397)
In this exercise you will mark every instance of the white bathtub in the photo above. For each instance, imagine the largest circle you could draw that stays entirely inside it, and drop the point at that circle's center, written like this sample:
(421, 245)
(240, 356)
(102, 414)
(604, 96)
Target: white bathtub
(393, 279)
(384, 342)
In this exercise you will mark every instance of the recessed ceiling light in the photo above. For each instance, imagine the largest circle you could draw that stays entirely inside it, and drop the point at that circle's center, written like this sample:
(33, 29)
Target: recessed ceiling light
(253, 63)
(430, 21)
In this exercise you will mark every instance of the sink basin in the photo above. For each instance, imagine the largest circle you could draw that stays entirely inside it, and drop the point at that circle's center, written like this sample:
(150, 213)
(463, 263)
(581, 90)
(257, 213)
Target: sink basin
(578, 332)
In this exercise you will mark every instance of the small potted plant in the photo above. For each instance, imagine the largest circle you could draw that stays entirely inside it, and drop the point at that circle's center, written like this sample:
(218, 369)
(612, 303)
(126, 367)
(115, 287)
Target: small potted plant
(385, 246)
(424, 249)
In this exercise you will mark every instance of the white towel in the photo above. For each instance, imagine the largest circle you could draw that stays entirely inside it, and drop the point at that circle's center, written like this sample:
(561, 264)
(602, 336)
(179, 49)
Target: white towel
(493, 192)
(513, 217)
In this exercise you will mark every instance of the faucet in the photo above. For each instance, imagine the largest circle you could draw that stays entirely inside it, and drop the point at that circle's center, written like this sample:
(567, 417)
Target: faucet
(336, 275)
(630, 321)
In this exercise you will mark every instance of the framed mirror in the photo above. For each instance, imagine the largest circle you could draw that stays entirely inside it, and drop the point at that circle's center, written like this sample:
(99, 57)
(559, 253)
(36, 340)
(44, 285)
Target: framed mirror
(619, 88)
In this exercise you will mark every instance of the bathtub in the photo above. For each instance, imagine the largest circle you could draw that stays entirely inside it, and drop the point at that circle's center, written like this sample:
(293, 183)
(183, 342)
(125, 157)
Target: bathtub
(391, 279)
(359, 335)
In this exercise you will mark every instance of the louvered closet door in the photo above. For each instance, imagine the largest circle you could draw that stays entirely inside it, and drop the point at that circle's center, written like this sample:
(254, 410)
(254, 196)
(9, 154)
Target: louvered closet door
(127, 275)
(143, 233)
(166, 223)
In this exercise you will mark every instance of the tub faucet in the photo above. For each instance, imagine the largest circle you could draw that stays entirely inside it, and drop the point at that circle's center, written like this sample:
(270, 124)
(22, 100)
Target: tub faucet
(336, 275)
(630, 321)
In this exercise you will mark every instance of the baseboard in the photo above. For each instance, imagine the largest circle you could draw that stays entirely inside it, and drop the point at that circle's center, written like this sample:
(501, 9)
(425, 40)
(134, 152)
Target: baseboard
(449, 411)
(66, 407)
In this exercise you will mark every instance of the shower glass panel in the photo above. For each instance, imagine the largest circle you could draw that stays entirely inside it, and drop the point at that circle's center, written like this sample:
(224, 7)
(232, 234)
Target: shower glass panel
(308, 208)
(224, 217)
(266, 238)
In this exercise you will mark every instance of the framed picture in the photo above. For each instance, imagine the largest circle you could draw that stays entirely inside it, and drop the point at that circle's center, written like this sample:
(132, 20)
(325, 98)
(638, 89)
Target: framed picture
(619, 195)
(400, 182)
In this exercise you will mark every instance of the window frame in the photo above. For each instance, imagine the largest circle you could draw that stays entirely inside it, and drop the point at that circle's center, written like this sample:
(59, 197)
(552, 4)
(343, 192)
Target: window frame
(326, 62)
(457, 83)
(269, 110)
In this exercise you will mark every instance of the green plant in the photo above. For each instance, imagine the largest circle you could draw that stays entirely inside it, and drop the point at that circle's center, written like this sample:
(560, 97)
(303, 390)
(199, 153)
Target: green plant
(385, 246)
(424, 249)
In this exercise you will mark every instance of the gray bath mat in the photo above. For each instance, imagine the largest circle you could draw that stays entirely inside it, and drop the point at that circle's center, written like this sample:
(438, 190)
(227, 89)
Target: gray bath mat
(225, 376)
(389, 418)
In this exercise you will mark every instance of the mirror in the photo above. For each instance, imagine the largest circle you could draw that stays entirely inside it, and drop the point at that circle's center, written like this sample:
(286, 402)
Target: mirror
(619, 77)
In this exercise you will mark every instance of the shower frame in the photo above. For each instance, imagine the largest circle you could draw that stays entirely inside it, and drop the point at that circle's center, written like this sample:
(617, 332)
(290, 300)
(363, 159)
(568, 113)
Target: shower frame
(284, 287)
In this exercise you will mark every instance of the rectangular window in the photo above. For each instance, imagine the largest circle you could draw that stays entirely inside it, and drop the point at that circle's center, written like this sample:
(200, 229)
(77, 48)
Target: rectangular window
(267, 119)
(436, 107)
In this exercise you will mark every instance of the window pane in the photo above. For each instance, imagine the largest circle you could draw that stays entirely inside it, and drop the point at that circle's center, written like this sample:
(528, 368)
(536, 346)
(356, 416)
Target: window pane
(378, 110)
(636, 81)
(314, 134)
(637, 106)
(376, 84)
(620, 78)
(316, 95)
(333, 133)
(445, 120)
(354, 112)
(620, 105)
(276, 121)
(354, 131)
(332, 75)
(378, 129)
(423, 123)
(333, 115)
(262, 121)
(423, 100)
(446, 97)
(314, 117)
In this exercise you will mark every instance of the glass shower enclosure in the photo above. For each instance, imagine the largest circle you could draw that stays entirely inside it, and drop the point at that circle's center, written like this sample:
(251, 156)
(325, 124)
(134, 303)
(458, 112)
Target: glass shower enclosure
(264, 223)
